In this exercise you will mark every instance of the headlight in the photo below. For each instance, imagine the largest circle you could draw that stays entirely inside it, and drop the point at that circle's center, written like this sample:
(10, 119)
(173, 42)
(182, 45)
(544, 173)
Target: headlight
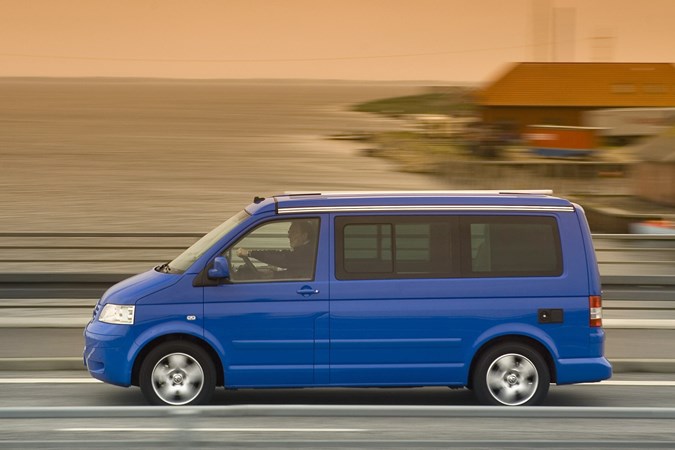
(120, 314)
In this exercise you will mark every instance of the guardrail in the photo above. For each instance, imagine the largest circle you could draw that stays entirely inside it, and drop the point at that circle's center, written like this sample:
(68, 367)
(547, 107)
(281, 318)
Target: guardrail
(637, 270)
(83, 265)
(33, 247)
(52, 280)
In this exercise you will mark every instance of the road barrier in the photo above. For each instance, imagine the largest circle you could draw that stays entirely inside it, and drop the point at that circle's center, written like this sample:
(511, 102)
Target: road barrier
(52, 280)
(84, 265)
(637, 271)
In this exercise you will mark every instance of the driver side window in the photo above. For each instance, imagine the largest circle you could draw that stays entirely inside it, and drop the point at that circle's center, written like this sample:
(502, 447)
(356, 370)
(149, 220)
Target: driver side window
(278, 250)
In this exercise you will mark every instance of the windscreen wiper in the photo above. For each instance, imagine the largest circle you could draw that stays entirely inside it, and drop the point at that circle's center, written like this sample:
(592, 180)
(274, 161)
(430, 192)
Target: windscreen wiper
(163, 268)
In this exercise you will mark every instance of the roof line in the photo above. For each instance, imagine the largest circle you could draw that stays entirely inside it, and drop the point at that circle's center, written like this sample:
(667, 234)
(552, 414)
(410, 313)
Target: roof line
(419, 208)
(421, 192)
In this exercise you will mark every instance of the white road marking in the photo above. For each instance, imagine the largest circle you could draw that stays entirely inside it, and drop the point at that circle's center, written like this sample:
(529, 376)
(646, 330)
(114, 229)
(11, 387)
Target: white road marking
(48, 380)
(209, 430)
(643, 383)
(103, 430)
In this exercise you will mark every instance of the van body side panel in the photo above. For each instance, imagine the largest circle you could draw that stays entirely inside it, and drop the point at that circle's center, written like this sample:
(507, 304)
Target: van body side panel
(267, 336)
(390, 338)
(394, 332)
(595, 286)
(426, 331)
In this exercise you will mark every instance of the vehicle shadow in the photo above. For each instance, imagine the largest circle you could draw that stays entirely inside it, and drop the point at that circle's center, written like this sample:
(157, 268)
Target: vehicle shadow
(422, 396)
(345, 396)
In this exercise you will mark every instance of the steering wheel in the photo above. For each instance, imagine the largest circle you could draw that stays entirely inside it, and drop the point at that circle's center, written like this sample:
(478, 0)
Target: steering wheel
(248, 264)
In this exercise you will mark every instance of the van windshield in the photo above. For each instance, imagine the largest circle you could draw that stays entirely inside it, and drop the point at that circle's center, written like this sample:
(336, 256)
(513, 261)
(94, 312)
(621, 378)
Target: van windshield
(192, 254)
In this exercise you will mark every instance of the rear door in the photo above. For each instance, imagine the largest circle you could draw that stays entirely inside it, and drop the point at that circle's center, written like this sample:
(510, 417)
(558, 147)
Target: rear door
(390, 323)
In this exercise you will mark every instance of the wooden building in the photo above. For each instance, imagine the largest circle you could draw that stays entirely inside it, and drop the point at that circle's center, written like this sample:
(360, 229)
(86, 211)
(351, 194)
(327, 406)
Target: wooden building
(559, 93)
(654, 176)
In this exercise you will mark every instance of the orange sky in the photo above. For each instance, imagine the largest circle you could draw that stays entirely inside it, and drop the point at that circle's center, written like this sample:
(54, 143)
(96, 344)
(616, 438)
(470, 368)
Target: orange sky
(447, 40)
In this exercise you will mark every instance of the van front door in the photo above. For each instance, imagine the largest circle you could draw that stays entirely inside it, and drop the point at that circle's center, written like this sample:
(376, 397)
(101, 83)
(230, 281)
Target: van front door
(268, 317)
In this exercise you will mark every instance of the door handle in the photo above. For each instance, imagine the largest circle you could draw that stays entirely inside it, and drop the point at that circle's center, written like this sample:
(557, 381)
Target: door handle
(306, 291)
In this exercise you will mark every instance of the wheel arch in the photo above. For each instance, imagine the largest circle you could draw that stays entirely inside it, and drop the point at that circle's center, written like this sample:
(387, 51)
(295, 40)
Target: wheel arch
(514, 338)
(177, 337)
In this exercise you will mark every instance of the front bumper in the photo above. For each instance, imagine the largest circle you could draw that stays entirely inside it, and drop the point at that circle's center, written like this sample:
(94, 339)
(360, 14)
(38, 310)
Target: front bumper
(106, 350)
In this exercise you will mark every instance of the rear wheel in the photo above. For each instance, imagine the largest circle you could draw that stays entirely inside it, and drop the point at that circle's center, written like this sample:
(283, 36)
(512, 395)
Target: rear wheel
(511, 375)
(177, 373)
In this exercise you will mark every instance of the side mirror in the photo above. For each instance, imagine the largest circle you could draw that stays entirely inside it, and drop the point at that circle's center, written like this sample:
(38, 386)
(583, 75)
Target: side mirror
(220, 269)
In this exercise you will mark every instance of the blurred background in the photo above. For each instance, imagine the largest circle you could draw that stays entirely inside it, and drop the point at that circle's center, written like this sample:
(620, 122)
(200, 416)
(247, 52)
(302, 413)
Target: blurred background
(169, 116)
(130, 128)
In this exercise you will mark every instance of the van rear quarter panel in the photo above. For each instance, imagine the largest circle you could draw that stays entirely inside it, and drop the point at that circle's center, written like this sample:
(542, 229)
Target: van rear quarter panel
(427, 331)
(594, 284)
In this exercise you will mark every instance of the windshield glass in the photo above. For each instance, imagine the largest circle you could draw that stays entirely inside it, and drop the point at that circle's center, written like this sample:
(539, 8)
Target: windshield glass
(192, 254)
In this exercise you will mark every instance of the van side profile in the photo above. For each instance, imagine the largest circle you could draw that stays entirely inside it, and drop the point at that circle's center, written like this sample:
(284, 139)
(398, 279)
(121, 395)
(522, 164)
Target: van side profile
(495, 291)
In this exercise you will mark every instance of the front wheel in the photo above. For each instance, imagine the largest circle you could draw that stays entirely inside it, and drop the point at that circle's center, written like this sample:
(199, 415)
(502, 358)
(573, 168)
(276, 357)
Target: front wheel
(511, 375)
(177, 373)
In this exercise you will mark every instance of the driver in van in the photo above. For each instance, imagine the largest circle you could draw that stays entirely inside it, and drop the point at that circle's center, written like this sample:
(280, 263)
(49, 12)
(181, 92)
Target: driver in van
(298, 261)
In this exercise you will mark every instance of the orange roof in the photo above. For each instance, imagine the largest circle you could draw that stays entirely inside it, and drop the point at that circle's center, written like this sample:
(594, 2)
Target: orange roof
(583, 84)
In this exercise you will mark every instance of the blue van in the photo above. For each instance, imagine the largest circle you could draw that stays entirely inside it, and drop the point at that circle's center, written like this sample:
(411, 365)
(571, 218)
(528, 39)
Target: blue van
(495, 291)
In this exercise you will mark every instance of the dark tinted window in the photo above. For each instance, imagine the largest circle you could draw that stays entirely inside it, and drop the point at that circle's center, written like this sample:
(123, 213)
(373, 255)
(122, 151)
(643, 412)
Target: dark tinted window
(368, 248)
(451, 246)
(395, 247)
(504, 246)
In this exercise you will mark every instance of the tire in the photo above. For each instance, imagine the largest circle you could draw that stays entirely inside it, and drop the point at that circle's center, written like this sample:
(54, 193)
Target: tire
(177, 373)
(511, 374)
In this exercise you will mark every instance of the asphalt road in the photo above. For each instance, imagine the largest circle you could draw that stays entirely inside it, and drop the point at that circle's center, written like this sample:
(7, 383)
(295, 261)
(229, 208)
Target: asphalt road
(74, 388)
(289, 428)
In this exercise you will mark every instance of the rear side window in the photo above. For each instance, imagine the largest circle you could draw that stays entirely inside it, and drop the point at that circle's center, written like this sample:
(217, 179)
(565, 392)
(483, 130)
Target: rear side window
(511, 246)
(382, 247)
(395, 247)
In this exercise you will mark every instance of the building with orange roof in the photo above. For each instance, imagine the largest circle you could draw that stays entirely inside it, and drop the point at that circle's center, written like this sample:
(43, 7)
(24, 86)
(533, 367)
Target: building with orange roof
(532, 93)
(654, 176)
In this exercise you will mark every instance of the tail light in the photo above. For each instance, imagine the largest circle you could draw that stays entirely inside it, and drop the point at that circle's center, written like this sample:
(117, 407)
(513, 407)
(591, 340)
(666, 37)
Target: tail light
(595, 304)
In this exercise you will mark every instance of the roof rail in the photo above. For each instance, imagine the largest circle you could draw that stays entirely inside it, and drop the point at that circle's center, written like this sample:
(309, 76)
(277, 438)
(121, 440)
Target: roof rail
(434, 192)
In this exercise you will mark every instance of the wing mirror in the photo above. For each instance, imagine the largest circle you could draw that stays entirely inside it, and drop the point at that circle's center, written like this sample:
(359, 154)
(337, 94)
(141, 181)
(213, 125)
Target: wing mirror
(220, 269)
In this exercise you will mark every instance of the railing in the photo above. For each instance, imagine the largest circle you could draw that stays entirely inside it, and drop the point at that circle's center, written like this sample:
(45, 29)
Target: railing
(633, 267)
(53, 280)
(637, 270)
(132, 248)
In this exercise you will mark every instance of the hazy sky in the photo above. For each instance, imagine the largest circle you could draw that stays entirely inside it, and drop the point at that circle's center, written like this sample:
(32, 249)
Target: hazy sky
(449, 40)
